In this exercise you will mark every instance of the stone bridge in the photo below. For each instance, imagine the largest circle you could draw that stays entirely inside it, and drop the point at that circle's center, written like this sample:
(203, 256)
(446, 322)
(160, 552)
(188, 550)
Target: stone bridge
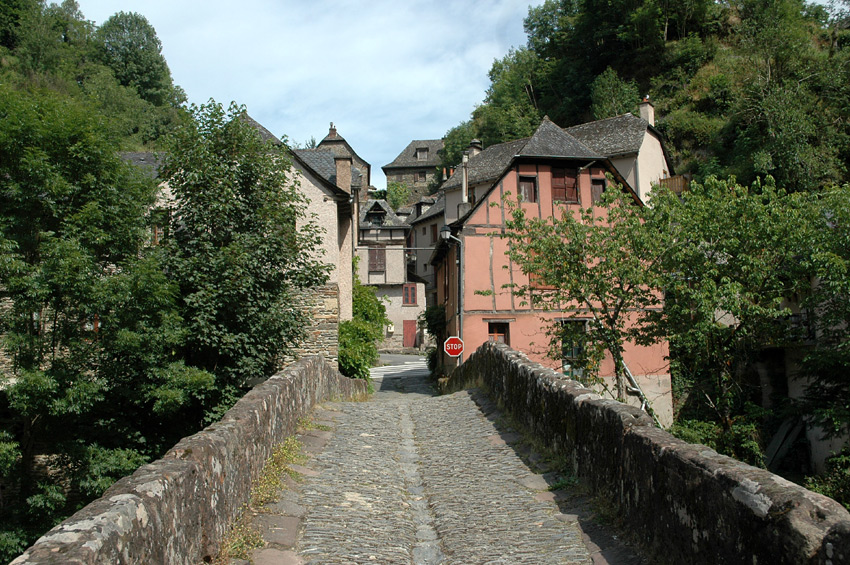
(466, 477)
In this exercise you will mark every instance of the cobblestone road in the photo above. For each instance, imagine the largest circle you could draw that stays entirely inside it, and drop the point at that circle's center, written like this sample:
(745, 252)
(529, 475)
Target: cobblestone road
(413, 478)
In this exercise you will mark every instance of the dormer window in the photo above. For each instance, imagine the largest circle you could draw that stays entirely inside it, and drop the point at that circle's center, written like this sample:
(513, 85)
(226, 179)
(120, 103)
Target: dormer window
(421, 153)
(376, 218)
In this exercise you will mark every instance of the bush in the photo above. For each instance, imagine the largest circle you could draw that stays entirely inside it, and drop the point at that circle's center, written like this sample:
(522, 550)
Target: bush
(358, 337)
(835, 483)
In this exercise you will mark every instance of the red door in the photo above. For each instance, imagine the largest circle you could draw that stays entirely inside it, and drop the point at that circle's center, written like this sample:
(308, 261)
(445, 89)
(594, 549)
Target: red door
(410, 333)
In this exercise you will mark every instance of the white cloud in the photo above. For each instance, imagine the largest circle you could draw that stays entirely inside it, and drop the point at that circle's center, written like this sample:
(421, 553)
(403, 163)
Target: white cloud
(385, 71)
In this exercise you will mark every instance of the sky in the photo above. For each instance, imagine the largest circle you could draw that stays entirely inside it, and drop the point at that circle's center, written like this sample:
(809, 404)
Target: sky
(385, 72)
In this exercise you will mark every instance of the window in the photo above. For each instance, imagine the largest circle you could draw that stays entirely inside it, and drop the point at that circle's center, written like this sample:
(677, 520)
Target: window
(159, 228)
(565, 185)
(377, 259)
(421, 176)
(572, 346)
(597, 187)
(528, 189)
(499, 332)
(409, 294)
(421, 153)
(423, 230)
(376, 218)
(433, 233)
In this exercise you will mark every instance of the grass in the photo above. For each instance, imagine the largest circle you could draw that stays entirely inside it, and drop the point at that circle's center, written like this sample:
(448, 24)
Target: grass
(242, 537)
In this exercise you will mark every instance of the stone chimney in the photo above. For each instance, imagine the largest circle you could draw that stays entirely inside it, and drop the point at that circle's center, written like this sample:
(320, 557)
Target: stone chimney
(647, 110)
(343, 171)
(475, 147)
(332, 131)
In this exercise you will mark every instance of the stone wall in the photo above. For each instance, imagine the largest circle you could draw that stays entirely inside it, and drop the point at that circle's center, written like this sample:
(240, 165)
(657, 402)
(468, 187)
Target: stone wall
(323, 334)
(176, 510)
(683, 502)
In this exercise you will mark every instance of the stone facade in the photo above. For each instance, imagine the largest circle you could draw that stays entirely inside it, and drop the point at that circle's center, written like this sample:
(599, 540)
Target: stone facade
(323, 334)
(176, 510)
(683, 502)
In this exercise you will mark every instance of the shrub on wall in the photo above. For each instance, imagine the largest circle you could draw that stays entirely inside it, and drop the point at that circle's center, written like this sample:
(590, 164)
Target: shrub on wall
(358, 337)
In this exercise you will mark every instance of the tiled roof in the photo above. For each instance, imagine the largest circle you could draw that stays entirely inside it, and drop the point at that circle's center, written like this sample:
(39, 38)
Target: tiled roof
(390, 218)
(407, 158)
(322, 162)
(619, 135)
(548, 141)
(150, 163)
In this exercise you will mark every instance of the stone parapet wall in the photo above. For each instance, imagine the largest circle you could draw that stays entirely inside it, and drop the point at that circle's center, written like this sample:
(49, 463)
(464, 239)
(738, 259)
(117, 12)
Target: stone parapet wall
(176, 510)
(683, 502)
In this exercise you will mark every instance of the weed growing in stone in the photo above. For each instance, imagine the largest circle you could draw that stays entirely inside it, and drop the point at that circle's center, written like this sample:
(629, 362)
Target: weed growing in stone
(265, 489)
(240, 539)
(307, 423)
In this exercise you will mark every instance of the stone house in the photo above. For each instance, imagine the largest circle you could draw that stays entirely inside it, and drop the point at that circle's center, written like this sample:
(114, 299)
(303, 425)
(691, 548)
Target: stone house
(416, 166)
(425, 226)
(382, 255)
(551, 169)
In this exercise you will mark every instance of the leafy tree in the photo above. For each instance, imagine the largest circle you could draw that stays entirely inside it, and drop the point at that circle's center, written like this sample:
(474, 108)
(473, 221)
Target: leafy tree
(240, 250)
(733, 257)
(129, 46)
(827, 399)
(608, 285)
(397, 194)
(612, 96)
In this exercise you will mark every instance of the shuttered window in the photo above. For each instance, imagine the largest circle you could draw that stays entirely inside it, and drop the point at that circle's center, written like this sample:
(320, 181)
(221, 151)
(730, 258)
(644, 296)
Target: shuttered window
(565, 185)
(377, 259)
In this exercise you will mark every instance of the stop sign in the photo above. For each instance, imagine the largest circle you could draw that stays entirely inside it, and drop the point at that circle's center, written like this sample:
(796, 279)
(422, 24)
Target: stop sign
(453, 346)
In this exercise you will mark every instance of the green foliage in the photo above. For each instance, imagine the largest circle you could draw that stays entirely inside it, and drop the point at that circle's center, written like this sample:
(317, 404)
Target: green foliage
(612, 96)
(835, 482)
(603, 286)
(358, 337)
(240, 248)
(397, 194)
(433, 320)
(127, 44)
(740, 441)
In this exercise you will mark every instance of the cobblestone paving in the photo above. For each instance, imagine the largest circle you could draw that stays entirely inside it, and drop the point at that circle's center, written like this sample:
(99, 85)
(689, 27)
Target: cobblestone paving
(411, 478)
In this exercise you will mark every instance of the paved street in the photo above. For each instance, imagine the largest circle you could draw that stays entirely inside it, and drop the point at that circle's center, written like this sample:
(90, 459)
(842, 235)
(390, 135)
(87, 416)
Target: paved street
(409, 477)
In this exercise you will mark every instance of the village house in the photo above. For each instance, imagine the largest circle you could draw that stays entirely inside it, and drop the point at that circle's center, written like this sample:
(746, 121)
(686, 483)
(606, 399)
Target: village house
(416, 166)
(551, 170)
(382, 254)
(425, 223)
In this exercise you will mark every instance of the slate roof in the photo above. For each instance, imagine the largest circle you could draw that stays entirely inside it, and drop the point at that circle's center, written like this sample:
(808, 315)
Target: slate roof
(435, 210)
(407, 158)
(391, 220)
(149, 163)
(620, 135)
(322, 163)
(265, 134)
(548, 141)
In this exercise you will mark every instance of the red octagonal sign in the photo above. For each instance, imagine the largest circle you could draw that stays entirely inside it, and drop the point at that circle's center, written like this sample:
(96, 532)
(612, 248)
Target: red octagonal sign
(453, 346)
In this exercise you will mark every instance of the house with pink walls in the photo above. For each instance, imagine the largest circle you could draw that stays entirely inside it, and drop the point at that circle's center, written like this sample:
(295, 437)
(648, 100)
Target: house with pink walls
(555, 173)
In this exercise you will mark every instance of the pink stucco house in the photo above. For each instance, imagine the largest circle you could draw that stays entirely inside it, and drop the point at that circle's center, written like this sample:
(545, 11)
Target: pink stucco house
(551, 169)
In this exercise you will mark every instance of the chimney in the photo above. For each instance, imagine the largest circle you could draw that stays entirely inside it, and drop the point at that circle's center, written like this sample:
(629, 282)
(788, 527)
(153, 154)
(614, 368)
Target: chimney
(332, 130)
(647, 110)
(475, 147)
(343, 171)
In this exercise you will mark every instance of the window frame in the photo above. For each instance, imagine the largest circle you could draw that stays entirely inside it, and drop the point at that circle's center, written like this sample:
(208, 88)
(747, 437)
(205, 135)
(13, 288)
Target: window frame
(527, 179)
(493, 334)
(408, 294)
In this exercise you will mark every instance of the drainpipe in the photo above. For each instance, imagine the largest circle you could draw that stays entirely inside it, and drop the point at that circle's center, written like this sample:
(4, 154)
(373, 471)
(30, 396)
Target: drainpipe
(446, 234)
(464, 188)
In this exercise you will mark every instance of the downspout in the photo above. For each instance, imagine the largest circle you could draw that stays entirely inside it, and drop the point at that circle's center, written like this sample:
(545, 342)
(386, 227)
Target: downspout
(460, 286)
(464, 187)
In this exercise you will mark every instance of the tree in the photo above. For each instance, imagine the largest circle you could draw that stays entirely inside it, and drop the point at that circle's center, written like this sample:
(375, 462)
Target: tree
(612, 96)
(735, 254)
(397, 194)
(129, 46)
(72, 221)
(242, 248)
(590, 265)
